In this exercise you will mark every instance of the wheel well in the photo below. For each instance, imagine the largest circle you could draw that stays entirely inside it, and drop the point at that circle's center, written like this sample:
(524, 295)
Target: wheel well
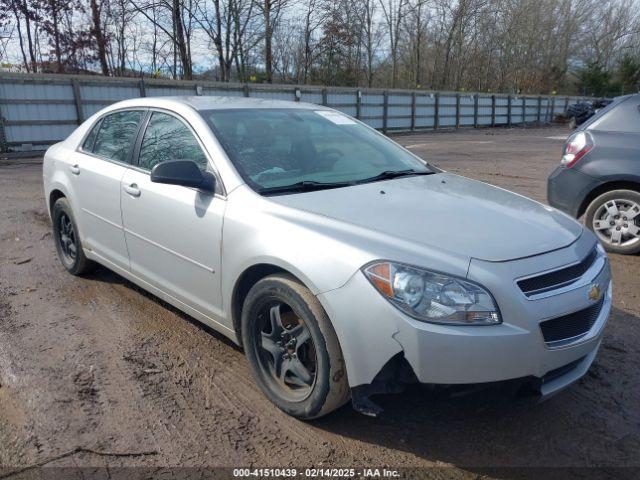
(604, 188)
(247, 280)
(54, 196)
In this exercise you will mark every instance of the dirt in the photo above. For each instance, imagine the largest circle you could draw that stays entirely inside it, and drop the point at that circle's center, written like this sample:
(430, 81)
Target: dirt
(96, 373)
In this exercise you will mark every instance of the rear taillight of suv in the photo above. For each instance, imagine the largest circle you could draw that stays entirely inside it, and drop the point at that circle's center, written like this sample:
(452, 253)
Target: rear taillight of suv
(577, 146)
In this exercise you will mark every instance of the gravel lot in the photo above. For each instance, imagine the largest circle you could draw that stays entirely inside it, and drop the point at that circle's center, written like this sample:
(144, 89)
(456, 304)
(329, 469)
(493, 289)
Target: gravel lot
(95, 372)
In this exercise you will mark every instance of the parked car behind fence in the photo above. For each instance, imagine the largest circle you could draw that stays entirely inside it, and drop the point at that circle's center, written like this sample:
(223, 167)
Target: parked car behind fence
(578, 113)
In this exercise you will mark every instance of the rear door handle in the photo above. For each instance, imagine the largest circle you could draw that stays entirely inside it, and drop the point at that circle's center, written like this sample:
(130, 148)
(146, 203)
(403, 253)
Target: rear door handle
(75, 169)
(132, 190)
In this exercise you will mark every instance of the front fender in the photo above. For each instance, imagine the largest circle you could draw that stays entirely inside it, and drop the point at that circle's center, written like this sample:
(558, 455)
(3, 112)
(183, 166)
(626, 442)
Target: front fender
(251, 237)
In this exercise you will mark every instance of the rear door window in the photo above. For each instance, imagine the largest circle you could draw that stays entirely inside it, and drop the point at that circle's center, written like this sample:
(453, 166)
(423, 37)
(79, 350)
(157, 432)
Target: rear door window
(625, 117)
(87, 146)
(116, 135)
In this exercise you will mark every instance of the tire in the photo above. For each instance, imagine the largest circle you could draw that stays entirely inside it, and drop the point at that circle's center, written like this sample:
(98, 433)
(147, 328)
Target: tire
(67, 239)
(600, 215)
(276, 311)
(573, 123)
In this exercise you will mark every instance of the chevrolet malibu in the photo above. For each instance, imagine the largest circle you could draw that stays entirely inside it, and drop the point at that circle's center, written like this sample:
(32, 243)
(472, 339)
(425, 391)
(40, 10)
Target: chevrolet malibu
(344, 265)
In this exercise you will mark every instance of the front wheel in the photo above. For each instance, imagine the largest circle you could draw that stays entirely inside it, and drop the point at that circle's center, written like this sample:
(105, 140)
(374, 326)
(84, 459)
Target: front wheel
(615, 219)
(292, 348)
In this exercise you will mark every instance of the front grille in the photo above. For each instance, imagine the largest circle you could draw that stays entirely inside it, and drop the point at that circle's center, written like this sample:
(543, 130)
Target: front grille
(572, 325)
(558, 278)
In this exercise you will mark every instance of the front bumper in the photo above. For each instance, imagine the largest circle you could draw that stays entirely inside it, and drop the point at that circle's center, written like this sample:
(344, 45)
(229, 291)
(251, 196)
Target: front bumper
(372, 331)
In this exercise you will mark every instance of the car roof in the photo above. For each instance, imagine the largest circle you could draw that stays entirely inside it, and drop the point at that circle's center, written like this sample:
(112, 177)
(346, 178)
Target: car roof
(219, 103)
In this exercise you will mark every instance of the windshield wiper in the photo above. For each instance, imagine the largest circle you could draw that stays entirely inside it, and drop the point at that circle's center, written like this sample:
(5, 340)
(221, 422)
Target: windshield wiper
(388, 174)
(311, 185)
(305, 186)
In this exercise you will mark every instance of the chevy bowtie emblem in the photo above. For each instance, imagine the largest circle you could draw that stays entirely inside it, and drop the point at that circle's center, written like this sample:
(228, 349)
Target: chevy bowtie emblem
(594, 292)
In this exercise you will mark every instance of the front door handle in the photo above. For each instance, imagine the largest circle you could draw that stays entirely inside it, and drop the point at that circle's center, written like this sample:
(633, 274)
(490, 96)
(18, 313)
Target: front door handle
(132, 190)
(75, 169)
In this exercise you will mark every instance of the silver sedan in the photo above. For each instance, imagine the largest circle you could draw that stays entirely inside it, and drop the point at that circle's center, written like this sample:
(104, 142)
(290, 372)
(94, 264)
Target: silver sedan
(343, 264)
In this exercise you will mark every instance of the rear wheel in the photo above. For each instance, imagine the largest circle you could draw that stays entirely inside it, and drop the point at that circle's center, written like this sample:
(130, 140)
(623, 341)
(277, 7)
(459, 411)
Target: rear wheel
(65, 234)
(615, 219)
(292, 348)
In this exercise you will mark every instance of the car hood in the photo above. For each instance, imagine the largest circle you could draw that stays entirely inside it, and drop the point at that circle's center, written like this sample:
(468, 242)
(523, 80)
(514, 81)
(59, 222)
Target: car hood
(446, 211)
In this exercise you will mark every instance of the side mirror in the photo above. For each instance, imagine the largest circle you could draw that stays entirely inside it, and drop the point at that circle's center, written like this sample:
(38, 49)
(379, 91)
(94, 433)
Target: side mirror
(185, 173)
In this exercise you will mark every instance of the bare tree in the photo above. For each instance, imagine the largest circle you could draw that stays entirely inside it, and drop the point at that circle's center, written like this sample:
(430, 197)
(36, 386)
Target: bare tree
(176, 31)
(393, 12)
(371, 36)
(225, 23)
(537, 46)
(271, 12)
(417, 21)
(312, 22)
(22, 13)
(98, 33)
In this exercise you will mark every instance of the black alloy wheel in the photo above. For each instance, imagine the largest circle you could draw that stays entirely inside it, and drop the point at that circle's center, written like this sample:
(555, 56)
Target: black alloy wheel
(292, 348)
(67, 239)
(287, 352)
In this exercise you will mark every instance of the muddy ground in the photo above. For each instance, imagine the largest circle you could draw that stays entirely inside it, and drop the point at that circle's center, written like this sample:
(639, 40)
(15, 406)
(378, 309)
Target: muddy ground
(95, 372)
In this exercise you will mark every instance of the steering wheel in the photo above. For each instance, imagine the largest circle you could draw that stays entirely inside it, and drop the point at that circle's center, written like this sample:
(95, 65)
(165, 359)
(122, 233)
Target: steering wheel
(325, 159)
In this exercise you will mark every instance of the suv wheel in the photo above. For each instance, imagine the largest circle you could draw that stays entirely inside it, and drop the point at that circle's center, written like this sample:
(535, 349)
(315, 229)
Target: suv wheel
(292, 348)
(65, 235)
(615, 218)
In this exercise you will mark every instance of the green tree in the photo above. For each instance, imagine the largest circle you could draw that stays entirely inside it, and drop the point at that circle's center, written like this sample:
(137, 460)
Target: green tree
(629, 74)
(594, 79)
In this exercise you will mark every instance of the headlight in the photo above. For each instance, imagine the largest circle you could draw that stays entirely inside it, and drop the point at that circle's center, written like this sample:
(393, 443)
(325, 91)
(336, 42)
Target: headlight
(432, 296)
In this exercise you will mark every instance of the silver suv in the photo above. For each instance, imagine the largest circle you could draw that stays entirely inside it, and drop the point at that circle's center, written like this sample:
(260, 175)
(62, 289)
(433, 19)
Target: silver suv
(342, 263)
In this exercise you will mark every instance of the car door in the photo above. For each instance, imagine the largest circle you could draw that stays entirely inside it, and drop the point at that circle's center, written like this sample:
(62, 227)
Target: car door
(173, 233)
(97, 169)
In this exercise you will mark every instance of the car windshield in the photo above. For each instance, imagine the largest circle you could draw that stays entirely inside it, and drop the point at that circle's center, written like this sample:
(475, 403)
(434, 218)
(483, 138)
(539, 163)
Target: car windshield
(289, 149)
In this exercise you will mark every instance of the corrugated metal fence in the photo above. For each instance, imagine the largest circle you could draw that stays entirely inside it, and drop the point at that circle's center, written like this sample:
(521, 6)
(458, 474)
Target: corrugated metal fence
(38, 110)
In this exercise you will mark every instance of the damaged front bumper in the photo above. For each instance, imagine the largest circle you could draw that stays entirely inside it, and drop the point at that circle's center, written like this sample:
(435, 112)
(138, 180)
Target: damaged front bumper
(383, 347)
